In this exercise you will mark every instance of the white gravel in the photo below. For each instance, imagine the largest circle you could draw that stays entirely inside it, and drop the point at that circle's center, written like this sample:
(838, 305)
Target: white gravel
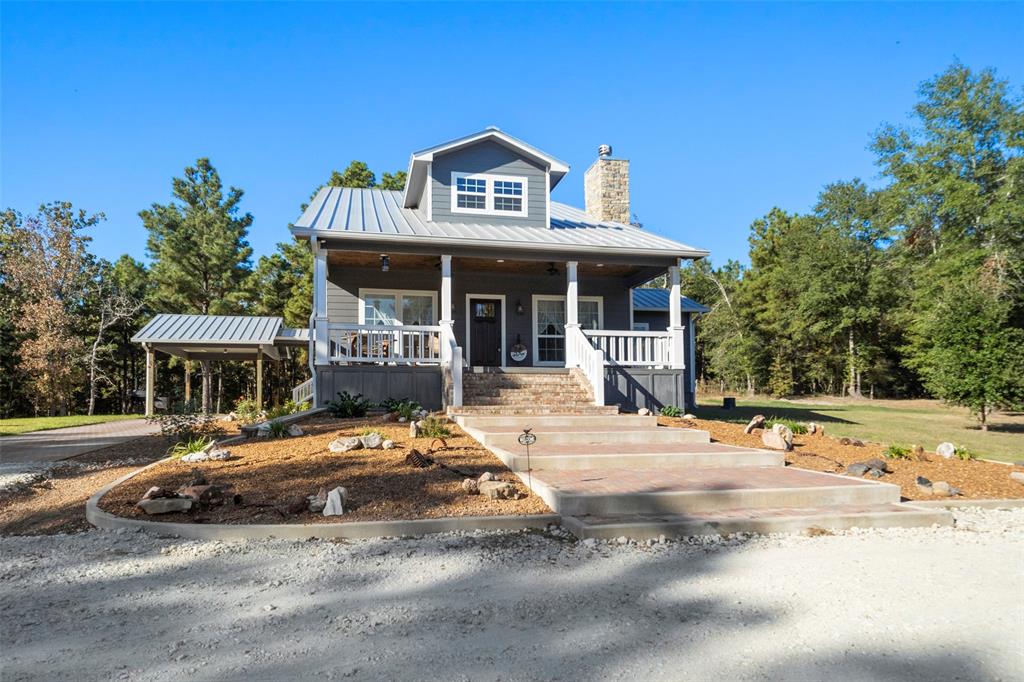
(18, 476)
(918, 604)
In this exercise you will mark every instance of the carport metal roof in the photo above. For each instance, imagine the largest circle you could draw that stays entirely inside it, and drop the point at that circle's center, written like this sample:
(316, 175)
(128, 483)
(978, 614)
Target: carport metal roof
(219, 337)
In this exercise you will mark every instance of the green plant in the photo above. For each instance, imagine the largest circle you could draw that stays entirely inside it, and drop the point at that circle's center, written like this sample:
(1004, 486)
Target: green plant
(368, 431)
(897, 452)
(391, 404)
(963, 453)
(794, 426)
(671, 411)
(289, 407)
(404, 407)
(347, 406)
(247, 411)
(187, 447)
(277, 429)
(435, 427)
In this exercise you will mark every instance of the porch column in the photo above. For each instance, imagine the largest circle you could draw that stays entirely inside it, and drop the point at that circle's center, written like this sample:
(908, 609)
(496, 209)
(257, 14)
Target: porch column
(446, 321)
(677, 347)
(150, 379)
(572, 311)
(188, 380)
(259, 379)
(320, 336)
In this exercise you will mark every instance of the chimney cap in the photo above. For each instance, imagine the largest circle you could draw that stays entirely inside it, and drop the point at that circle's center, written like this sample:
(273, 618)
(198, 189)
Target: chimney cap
(604, 151)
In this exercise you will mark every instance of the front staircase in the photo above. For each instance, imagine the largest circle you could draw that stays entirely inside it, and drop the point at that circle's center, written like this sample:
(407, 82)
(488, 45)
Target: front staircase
(528, 391)
(624, 476)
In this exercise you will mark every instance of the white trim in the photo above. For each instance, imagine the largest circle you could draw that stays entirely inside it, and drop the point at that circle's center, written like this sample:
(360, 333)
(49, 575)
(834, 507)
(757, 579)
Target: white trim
(529, 150)
(504, 315)
(398, 293)
(632, 309)
(488, 194)
(556, 297)
(547, 199)
(429, 189)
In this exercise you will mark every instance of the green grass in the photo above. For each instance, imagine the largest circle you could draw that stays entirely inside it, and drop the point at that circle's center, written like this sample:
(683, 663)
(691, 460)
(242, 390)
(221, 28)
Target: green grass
(926, 422)
(12, 427)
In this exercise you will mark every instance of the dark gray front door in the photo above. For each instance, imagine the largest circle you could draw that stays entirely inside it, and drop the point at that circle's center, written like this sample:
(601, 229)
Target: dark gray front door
(485, 332)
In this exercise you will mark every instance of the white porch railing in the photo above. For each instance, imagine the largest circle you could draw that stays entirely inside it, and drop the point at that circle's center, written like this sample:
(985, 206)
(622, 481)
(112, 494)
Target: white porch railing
(453, 356)
(589, 359)
(632, 349)
(303, 393)
(384, 343)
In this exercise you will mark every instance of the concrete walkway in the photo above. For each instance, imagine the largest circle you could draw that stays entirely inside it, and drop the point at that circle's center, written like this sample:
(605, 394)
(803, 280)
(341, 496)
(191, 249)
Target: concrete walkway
(58, 444)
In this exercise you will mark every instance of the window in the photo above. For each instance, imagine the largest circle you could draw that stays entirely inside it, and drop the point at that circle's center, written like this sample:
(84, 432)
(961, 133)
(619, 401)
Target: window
(641, 326)
(489, 194)
(549, 325)
(389, 307)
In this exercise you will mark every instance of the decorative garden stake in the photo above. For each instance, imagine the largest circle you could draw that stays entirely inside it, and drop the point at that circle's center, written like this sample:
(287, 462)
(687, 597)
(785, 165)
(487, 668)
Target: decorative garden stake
(528, 439)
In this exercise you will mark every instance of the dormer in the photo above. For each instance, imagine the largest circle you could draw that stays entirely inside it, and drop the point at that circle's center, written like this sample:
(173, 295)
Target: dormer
(486, 178)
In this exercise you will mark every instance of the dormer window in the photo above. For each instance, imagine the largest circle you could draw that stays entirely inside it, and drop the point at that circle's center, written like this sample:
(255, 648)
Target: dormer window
(488, 194)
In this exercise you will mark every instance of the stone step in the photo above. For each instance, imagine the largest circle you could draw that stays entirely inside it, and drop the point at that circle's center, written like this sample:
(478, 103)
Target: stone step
(667, 456)
(523, 393)
(518, 422)
(763, 520)
(608, 435)
(568, 405)
(609, 492)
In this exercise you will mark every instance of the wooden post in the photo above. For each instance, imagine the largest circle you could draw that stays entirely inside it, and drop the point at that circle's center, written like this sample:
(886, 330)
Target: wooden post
(259, 379)
(572, 312)
(677, 350)
(150, 380)
(445, 316)
(188, 380)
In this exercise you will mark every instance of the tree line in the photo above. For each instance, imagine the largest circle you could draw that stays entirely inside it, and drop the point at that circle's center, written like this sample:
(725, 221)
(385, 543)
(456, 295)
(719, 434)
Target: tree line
(67, 316)
(913, 288)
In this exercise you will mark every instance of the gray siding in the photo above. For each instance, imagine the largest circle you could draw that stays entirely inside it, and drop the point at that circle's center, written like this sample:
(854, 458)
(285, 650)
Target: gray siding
(634, 387)
(488, 157)
(375, 383)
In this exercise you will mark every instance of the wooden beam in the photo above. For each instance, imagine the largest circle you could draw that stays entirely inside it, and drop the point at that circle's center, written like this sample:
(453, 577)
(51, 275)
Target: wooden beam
(188, 381)
(259, 380)
(150, 380)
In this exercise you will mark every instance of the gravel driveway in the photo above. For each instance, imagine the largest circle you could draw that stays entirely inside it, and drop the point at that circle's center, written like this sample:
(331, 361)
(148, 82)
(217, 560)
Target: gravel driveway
(918, 604)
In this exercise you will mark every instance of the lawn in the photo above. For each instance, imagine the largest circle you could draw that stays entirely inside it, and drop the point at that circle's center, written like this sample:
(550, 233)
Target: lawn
(12, 427)
(904, 422)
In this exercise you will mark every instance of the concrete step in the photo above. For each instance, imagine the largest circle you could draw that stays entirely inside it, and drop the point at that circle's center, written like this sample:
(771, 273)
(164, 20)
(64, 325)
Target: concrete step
(519, 422)
(764, 520)
(608, 492)
(608, 435)
(534, 410)
(667, 456)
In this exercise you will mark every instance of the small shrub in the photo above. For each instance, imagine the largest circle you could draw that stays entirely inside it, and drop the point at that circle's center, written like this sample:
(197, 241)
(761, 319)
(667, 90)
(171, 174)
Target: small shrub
(391, 404)
(794, 426)
(369, 431)
(186, 426)
(277, 429)
(347, 406)
(435, 427)
(182, 448)
(405, 408)
(898, 452)
(247, 411)
(963, 453)
(671, 411)
(289, 407)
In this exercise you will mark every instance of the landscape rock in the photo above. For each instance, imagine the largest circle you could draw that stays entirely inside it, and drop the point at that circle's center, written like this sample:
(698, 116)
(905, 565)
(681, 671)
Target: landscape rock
(156, 492)
(942, 489)
(643, 412)
(295, 430)
(336, 500)
(486, 476)
(946, 450)
(213, 455)
(402, 420)
(857, 469)
(165, 505)
(414, 429)
(689, 416)
(785, 432)
(316, 503)
(773, 441)
(497, 490)
(924, 485)
(877, 463)
(1017, 476)
(917, 451)
(756, 422)
(208, 495)
(388, 445)
(263, 430)
(388, 417)
(470, 486)
(345, 444)
(372, 440)
(812, 428)
(876, 473)
(851, 441)
(229, 417)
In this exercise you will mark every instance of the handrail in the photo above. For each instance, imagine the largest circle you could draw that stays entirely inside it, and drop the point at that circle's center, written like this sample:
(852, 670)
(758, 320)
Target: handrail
(591, 360)
(632, 349)
(303, 392)
(384, 343)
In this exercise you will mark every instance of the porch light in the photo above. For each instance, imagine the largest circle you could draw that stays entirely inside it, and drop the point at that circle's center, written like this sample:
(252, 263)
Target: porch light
(519, 307)
(600, 265)
(385, 262)
(552, 270)
(501, 260)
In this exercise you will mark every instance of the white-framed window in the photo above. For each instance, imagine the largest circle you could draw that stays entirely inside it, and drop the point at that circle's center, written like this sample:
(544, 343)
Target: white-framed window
(397, 307)
(489, 194)
(549, 325)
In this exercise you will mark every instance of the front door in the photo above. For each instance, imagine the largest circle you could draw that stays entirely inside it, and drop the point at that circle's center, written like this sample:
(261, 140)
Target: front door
(485, 332)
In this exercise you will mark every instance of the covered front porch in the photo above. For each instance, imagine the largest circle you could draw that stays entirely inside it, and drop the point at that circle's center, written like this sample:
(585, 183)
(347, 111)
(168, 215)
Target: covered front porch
(420, 320)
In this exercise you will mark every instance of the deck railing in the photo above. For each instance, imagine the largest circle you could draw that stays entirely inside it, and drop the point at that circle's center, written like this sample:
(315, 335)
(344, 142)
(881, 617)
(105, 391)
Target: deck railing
(303, 393)
(632, 349)
(590, 360)
(409, 344)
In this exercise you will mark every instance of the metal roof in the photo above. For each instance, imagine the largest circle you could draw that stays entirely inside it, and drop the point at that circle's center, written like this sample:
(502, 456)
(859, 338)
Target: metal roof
(657, 299)
(223, 330)
(375, 214)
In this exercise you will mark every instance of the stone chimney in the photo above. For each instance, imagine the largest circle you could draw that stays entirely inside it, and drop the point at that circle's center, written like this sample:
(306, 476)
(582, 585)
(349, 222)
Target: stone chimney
(606, 188)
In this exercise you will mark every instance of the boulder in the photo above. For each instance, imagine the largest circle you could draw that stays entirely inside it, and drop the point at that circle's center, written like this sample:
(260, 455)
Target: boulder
(857, 469)
(486, 476)
(689, 416)
(219, 454)
(470, 486)
(295, 430)
(165, 505)
(316, 503)
(812, 428)
(773, 441)
(876, 473)
(946, 450)
(336, 500)
(877, 463)
(756, 422)
(388, 445)
(208, 495)
(156, 492)
(785, 432)
(414, 429)
(942, 489)
(497, 490)
(924, 485)
(345, 444)
(1017, 476)
(643, 412)
(372, 441)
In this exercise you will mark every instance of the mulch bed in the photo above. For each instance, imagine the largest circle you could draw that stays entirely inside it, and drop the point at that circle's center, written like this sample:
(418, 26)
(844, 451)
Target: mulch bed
(818, 452)
(268, 474)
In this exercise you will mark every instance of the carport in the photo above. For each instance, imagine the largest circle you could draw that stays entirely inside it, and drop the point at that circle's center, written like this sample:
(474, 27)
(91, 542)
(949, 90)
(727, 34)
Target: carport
(204, 338)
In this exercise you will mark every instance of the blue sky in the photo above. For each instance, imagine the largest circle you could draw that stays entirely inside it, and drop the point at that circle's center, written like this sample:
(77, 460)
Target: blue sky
(724, 110)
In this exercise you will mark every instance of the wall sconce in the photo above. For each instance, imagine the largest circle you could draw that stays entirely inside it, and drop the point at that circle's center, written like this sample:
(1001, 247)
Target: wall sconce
(519, 307)
(385, 262)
